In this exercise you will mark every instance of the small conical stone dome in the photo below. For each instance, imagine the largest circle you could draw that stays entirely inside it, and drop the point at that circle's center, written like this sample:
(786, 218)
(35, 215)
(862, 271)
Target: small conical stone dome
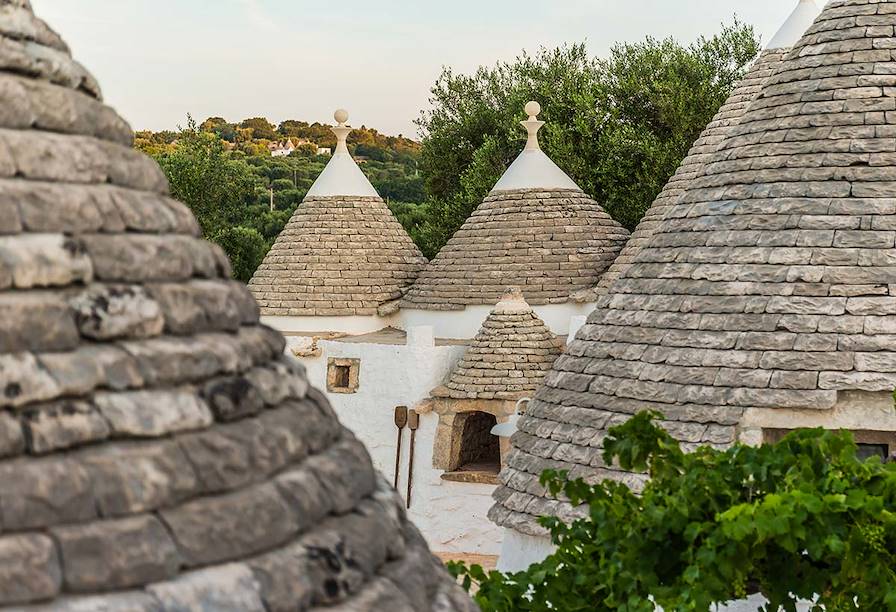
(508, 358)
(342, 253)
(536, 229)
(157, 451)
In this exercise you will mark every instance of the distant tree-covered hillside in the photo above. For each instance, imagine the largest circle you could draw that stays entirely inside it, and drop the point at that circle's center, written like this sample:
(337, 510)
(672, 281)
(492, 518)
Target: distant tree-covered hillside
(243, 196)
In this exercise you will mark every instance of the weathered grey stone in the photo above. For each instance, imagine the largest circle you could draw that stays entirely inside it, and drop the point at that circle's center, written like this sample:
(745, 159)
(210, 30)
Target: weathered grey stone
(129, 601)
(29, 569)
(35, 321)
(116, 554)
(284, 579)
(12, 440)
(63, 424)
(233, 397)
(74, 373)
(104, 312)
(44, 260)
(38, 493)
(227, 588)
(233, 526)
(345, 472)
(153, 413)
(138, 477)
(23, 380)
(377, 595)
(200, 306)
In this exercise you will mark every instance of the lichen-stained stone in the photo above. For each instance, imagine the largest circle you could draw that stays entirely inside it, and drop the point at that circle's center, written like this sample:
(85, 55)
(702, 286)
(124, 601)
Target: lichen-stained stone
(226, 588)
(29, 568)
(115, 554)
(104, 312)
(551, 243)
(24, 380)
(44, 260)
(150, 425)
(62, 424)
(151, 414)
(233, 397)
(758, 288)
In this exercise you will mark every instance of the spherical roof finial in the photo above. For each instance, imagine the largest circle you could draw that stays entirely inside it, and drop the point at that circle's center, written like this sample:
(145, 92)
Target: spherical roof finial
(341, 116)
(532, 109)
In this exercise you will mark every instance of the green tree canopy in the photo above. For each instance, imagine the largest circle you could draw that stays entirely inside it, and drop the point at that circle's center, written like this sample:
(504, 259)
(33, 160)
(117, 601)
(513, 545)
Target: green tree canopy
(245, 247)
(796, 519)
(618, 126)
(203, 176)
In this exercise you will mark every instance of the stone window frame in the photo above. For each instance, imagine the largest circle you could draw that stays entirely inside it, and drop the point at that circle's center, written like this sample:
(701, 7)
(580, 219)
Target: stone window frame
(354, 374)
(862, 437)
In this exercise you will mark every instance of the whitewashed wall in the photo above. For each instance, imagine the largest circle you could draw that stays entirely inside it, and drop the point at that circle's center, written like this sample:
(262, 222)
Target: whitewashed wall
(466, 323)
(451, 515)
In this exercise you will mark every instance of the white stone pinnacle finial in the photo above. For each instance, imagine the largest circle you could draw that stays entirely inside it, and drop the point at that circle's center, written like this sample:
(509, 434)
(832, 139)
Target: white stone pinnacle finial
(341, 130)
(532, 125)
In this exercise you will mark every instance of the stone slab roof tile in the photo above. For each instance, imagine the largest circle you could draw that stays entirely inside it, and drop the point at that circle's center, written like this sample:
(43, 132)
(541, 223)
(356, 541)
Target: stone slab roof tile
(551, 243)
(158, 451)
(337, 255)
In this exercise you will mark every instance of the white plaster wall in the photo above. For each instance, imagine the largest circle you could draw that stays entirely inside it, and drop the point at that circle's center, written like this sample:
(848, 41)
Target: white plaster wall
(451, 515)
(350, 325)
(466, 323)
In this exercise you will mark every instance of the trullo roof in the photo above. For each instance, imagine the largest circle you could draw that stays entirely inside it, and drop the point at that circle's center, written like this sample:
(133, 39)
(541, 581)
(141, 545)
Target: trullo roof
(343, 252)
(536, 230)
(508, 358)
(760, 284)
(157, 452)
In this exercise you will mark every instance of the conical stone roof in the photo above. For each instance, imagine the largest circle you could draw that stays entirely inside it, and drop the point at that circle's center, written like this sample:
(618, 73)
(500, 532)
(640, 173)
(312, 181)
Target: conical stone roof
(767, 287)
(157, 451)
(343, 252)
(536, 230)
(508, 358)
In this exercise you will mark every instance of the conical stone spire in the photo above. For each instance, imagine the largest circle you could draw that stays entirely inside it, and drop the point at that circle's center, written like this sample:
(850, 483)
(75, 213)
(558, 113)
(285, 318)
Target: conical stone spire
(343, 252)
(763, 297)
(536, 230)
(157, 451)
(508, 358)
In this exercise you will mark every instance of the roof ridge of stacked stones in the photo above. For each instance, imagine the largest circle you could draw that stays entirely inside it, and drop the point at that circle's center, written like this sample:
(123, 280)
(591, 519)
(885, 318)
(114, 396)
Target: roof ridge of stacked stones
(765, 287)
(508, 358)
(337, 255)
(157, 450)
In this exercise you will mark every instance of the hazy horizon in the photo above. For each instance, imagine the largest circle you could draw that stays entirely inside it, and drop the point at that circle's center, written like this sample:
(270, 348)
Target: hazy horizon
(158, 60)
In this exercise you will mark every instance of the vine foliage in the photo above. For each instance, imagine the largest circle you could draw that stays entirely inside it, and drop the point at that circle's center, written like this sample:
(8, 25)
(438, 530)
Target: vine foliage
(801, 519)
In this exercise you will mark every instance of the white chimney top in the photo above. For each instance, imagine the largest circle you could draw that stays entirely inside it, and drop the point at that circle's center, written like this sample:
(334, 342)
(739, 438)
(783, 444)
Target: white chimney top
(532, 169)
(795, 27)
(342, 176)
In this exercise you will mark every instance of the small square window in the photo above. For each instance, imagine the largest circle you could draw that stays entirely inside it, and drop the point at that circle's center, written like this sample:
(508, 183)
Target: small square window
(343, 375)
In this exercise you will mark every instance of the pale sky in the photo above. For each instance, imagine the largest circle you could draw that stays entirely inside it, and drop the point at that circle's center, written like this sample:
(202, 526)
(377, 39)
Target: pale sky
(158, 60)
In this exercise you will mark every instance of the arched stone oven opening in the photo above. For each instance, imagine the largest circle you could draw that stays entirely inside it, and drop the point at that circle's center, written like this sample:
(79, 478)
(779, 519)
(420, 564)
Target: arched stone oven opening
(479, 450)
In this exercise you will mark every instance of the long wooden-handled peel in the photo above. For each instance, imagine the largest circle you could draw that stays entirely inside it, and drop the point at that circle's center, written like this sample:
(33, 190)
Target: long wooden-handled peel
(414, 424)
(401, 419)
